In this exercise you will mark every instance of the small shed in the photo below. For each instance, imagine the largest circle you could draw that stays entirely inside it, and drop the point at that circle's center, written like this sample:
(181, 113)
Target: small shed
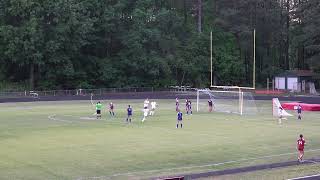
(294, 80)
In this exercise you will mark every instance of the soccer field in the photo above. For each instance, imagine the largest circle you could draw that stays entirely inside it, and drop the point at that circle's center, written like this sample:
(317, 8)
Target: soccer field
(61, 140)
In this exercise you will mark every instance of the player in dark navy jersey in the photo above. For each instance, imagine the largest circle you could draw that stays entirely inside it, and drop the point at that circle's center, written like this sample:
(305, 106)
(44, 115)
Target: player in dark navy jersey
(179, 119)
(299, 111)
(129, 114)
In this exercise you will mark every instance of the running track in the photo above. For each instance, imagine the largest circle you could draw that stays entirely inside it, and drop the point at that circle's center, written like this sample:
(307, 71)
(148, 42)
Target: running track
(251, 169)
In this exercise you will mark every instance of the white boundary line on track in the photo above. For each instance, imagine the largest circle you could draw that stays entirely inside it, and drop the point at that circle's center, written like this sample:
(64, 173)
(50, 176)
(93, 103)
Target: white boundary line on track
(190, 167)
(316, 175)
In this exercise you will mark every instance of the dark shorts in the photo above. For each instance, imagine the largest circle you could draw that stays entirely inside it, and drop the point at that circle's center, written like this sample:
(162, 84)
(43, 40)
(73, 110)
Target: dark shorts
(98, 111)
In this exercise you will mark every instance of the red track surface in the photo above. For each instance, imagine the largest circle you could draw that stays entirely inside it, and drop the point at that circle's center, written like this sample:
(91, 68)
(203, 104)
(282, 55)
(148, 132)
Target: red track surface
(305, 107)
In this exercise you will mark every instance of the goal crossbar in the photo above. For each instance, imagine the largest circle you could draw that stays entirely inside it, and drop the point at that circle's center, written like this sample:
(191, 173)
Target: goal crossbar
(233, 87)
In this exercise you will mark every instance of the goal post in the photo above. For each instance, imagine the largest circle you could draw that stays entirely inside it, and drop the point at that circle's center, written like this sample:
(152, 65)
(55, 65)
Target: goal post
(253, 66)
(236, 102)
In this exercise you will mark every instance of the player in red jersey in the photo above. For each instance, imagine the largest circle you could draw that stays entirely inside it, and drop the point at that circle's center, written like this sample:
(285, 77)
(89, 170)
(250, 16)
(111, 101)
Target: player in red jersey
(300, 146)
(111, 108)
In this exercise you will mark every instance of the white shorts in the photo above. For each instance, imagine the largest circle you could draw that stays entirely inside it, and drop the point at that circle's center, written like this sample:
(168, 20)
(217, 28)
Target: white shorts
(145, 112)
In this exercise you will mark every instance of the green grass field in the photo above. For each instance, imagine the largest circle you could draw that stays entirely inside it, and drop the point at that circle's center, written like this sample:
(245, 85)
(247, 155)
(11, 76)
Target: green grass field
(57, 140)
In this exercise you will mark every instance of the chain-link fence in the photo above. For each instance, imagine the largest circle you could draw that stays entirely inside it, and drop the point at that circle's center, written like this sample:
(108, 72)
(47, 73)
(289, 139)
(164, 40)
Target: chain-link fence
(87, 92)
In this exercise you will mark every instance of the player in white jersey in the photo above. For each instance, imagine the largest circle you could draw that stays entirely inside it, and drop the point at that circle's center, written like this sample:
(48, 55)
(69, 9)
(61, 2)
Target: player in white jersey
(153, 107)
(280, 115)
(145, 109)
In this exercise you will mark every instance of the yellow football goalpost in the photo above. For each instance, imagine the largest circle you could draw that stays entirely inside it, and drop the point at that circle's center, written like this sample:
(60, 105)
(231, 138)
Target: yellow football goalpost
(254, 66)
(239, 88)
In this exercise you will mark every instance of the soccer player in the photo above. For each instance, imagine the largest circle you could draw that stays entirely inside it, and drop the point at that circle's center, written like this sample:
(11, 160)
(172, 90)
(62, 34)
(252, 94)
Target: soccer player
(177, 105)
(98, 109)
(145, 109)
(179, 119)
(299, 110)
(129, 113)
(189, 107)
(153, 107)
(210, 105)
(300, 147)
(111, 108)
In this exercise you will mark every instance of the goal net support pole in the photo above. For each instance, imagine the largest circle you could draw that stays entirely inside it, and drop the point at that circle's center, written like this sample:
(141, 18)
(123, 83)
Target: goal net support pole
(240, 102)
(197, 100)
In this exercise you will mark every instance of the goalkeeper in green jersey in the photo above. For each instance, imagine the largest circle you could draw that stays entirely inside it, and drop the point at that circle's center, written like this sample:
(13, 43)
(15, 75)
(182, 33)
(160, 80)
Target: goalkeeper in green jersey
(98, 110)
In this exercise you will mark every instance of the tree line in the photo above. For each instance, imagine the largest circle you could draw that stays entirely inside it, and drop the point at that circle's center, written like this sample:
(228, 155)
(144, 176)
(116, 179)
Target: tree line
(66, 44)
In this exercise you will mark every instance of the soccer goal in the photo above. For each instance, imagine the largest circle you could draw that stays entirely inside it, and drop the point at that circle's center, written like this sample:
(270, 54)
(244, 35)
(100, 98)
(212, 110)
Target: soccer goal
(237, 102)
(277, 109)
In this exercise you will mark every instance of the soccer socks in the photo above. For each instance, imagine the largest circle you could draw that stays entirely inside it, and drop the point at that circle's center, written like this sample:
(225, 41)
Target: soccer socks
(177, 126)
(113, 113)
(181, 125)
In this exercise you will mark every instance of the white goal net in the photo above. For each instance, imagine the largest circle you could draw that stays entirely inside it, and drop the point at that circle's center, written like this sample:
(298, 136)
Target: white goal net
(237, 102)
(277, 109)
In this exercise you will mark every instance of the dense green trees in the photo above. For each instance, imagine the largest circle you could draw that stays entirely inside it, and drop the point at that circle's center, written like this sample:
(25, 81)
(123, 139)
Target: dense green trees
(118, 43)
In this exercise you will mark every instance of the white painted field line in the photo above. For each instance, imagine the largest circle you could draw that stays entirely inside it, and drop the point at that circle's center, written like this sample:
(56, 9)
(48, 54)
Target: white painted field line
(197, 166)
(52, 117)
(316, 175)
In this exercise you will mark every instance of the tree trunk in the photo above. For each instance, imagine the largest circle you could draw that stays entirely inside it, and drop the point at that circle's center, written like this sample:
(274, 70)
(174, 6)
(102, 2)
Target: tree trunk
(31, 80)
(199, 16)
(185, 11)
(287, 37)
(182, 79)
